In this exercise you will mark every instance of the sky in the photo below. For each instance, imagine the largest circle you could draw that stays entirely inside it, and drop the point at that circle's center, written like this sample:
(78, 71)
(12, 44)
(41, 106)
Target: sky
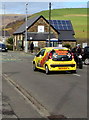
(34, 7)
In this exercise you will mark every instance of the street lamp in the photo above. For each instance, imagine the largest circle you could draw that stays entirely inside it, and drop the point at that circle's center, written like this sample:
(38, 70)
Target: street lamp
(26, 43)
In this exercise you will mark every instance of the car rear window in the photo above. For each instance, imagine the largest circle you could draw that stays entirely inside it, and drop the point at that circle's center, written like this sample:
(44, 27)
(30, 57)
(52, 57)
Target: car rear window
(2, 46)
(86, 49)
(61, 55)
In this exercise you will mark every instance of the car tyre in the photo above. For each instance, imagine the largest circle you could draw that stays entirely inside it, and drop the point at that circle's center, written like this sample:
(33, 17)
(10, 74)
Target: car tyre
(86, 61)
(81, 66)
(46, 70)
(34, 67)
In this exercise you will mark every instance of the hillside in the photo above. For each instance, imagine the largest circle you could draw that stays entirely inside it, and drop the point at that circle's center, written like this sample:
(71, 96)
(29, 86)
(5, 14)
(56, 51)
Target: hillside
(78, 17)
(7, 18)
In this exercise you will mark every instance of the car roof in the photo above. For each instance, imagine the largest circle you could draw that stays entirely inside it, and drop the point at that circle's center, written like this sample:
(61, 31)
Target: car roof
(56, 48)
(2, 44)
(87, 47)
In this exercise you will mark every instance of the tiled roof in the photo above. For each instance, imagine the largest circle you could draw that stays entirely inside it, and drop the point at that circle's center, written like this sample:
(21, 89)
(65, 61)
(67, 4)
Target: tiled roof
(66, 36)
(30, 21)
(65, 24)
(39, 36)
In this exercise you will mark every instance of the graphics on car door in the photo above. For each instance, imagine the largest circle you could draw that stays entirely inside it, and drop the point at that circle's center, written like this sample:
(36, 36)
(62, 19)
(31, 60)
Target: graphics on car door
(40, 56)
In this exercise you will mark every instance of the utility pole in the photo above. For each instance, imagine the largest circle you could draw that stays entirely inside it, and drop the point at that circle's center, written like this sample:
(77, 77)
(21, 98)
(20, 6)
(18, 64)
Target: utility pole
(3, 23)
(26, 42)
(49, 23)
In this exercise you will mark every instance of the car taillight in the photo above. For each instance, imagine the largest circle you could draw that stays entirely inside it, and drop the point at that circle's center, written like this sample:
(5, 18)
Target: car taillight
(50, 56)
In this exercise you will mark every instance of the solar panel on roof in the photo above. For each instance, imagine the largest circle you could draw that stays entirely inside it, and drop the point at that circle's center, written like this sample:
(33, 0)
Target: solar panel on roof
(56, 27)
(61, 28)
(65, 27)
(61, 24)
(54, 22)
(68, 22)
(69, 27)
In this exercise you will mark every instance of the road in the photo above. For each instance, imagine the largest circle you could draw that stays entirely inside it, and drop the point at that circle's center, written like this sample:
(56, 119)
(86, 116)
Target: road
(58, 93)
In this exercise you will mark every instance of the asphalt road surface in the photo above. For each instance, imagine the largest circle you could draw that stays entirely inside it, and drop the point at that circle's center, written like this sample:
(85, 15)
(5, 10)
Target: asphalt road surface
(59, 93)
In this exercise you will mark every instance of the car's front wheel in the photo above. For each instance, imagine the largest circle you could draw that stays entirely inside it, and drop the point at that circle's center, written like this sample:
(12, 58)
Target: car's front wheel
(86, 61)
(47, 70)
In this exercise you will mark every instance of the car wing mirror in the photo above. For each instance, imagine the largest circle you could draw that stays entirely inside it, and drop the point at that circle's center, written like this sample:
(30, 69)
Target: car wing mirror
(36, 55)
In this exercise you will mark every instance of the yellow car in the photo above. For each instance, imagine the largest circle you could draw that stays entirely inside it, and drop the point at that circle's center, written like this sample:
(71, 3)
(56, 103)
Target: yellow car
(54, 59)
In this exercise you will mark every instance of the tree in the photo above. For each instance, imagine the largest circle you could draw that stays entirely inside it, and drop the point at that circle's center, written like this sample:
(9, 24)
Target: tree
(10, 40)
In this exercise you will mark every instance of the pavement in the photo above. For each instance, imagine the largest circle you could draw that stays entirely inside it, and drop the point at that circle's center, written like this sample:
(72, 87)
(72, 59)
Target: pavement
(14, 105)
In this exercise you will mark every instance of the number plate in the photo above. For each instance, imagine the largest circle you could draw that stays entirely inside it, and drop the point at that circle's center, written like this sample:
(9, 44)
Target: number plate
(63, 68)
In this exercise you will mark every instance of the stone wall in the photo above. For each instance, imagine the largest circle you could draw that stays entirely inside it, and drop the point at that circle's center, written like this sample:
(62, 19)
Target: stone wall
(41, 21)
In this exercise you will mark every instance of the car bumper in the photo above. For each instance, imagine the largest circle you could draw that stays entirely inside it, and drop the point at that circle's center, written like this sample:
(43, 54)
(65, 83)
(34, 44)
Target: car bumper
(62, 68)
(3, 50)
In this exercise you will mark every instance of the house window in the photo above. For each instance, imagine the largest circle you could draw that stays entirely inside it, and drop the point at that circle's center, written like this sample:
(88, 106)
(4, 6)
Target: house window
(15, 39)
(21, 37)
(40, 28)
(18, 37)
(35, 43)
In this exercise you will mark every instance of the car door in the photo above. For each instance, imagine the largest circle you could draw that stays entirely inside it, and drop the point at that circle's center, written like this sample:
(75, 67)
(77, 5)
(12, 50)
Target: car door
(39, 58)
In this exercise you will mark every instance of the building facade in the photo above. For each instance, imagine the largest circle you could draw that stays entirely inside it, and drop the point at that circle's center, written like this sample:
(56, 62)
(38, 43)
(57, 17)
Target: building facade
(38, 33)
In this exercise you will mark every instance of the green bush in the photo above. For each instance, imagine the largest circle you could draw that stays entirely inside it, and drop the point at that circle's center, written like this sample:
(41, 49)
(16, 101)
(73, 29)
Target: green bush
(67, 45)
(10, 47)
(10, 40)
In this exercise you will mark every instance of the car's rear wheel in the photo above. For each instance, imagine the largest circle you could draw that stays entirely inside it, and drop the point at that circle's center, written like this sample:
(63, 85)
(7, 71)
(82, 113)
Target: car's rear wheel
(86, 61)
(73, 71)
(34, 67)
(47, 70)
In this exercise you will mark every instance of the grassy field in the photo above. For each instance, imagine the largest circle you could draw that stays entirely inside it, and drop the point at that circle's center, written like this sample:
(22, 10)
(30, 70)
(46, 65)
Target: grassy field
(78, 17)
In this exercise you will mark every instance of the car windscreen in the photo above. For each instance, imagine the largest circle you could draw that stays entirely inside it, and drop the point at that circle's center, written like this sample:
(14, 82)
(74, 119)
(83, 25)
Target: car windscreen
(86, 50)
(61, 55)
(2, 46)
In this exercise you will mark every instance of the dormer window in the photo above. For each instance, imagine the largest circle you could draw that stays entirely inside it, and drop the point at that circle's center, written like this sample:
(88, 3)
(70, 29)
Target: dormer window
(40, 28)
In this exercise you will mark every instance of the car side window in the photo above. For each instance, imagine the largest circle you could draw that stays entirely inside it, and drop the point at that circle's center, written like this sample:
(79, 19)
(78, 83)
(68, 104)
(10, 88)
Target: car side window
(41, 53)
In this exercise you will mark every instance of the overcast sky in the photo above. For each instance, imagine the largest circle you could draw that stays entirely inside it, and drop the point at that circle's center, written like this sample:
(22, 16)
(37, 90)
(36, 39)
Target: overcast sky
(34, 7)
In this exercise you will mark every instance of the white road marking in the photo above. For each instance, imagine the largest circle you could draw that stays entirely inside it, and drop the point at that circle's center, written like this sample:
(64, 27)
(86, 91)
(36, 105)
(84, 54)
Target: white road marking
(77, 75)
(84, 65)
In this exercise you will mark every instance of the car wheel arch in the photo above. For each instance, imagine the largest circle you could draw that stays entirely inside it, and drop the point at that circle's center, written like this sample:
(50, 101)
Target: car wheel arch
(33, 62)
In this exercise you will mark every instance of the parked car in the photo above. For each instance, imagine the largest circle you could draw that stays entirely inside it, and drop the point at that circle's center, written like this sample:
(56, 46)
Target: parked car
(3, 47)
(54, 59)
(85, 55)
